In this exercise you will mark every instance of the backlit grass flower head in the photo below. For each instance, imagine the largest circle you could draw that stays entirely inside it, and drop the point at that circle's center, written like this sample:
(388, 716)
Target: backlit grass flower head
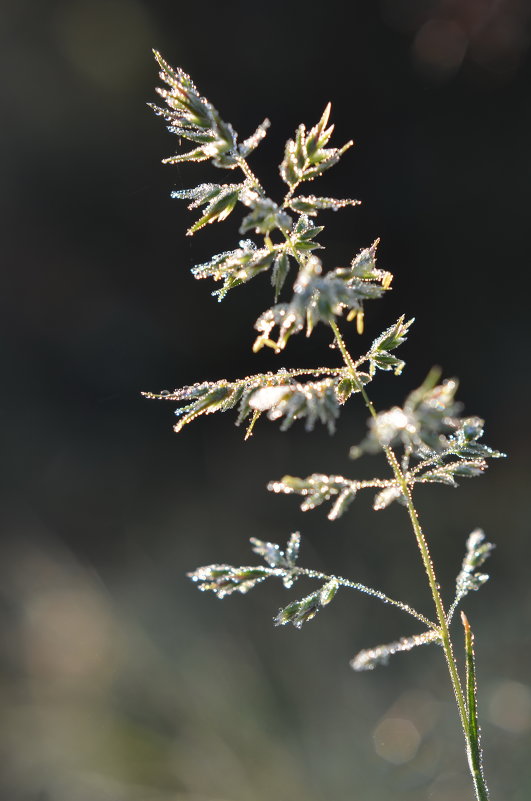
(425, 440)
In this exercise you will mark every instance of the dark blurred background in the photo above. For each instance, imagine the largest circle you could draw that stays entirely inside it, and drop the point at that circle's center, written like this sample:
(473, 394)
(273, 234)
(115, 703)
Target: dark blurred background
(119, 681)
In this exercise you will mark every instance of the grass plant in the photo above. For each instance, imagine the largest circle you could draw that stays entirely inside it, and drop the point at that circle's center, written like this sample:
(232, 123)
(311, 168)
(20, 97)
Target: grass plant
(426, 440)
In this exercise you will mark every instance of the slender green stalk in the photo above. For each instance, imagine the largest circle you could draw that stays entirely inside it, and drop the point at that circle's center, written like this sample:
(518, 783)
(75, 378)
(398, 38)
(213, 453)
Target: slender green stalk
(470, 731)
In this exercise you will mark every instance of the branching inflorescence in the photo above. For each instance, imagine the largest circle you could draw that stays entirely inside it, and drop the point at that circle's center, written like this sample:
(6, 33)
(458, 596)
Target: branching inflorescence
(426, 440)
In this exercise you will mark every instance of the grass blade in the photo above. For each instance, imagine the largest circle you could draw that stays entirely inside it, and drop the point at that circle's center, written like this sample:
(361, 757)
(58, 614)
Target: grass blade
(473, 733)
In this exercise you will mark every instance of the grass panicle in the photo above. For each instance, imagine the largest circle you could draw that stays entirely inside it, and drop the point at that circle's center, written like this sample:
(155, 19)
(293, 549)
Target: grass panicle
(425, 440)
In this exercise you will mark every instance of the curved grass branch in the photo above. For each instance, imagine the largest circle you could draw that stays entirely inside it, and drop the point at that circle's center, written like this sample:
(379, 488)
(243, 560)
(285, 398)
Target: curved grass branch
(355, 585)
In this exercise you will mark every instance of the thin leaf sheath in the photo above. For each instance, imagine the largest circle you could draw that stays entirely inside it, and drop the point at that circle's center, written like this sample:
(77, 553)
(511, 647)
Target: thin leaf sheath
(473, 740)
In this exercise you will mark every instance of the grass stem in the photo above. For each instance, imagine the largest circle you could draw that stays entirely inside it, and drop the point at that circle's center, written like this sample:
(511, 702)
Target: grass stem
(470, 731)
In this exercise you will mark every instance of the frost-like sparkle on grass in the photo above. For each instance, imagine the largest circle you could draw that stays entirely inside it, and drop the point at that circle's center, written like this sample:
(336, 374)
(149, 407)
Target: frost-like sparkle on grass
(371, 657)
